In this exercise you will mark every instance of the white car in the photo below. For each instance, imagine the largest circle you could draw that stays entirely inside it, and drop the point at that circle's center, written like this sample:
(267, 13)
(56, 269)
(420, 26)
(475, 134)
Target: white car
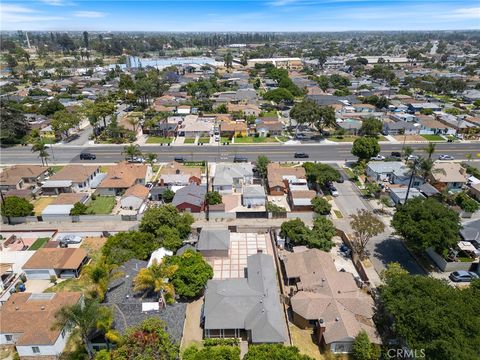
(378, 158)
(412, 157)
(446, 157)
(71, 239)
(217, 138)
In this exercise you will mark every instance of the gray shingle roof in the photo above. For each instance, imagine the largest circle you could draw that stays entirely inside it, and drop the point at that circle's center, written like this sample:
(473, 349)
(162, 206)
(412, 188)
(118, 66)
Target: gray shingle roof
(190, 194)
(252, 304)
(253, 191)
(471, 231)
(214, 239)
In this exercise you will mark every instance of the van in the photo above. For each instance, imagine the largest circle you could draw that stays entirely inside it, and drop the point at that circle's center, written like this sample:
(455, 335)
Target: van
(240, 158)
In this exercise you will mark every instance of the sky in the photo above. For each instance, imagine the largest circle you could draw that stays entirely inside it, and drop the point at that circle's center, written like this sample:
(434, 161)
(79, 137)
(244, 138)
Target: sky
(239, 15)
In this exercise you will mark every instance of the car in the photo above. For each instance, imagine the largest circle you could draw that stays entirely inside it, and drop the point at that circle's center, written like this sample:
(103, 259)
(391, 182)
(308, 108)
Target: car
(341, 180)
(378, 158)
(412, 157)
(217, 138)
(395, 154)
(71, 239)
(136, 160)
(333, 190)
(301, 156)
(179, 159)
(446, 157)
(240, 158)
(463, 276)
(149, 185)
(87, 156)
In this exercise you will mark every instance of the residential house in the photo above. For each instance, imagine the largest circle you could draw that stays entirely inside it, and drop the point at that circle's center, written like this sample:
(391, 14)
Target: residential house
(62, 205)
(351, 126)
(163, 129)
(475, 191)
(27, 322)
(193, 126)
(233, 129)
(134, 197)
(246, 109)
(183, 110)
(301, 200)
(190, 198)
(368, 108)
(247, 308)
(253, 196)
(130, 308)
(450, 176)
(417, 107)
(22, 177)
(400, 128)
(71, 178)
(230, 177)
(395, 172)
(399, 194)
(63, 263)
(327, 300)
(122, 176)
(177, 174)
(278, 177)
(431, 126)
(269, 128)
(214, 242)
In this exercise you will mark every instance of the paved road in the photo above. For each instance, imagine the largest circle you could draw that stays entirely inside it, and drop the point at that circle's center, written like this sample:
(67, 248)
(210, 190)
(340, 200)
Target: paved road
(276, 152)
(384, 248)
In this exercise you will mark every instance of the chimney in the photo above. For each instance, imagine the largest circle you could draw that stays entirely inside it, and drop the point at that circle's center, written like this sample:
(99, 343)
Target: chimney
(320, 330)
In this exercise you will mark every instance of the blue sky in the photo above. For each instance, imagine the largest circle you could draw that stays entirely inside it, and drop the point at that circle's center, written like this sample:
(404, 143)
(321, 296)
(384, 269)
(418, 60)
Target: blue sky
(240, 15)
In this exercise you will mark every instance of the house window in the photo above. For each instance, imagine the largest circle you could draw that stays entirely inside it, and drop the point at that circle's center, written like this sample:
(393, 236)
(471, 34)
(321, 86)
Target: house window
(35, 349)
(9, 337)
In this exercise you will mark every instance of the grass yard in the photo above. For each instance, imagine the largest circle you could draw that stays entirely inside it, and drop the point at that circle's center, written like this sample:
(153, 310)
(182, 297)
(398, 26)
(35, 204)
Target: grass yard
(254, 140)
(101, 205)
(433, 137)
(41, 203)
(272, 113)
(204, 140)
(225, 139)
(352, 138)
(282, 138)
(158, 140)
(189, 141)
(39, 243)
(56, 168)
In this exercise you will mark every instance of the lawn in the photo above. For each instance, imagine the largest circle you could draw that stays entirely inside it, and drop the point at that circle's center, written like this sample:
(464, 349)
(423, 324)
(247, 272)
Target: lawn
(272, 113)
(254, 140)
(204, 140)
(158, 140)
(41, 203)
(282, 138)
(189, 141)
(56, 168)
(351, 138)
(101, 205)
(39, 243)
(225, 139)
(433, 137)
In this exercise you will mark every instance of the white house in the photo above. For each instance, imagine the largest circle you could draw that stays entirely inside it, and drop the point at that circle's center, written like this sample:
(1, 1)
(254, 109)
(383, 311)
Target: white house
(231, 177)
(253, 195)
(26, 321)
(134, 197)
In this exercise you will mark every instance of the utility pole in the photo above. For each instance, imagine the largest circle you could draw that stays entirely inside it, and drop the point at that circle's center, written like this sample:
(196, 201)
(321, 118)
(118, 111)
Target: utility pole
(3, 204)
(207, 206)
(414, 170)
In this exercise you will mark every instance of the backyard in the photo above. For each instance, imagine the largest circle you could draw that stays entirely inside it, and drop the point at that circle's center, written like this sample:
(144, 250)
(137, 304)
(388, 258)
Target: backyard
(41, 203)
(159, 140)
(101, 205)
(39, 243)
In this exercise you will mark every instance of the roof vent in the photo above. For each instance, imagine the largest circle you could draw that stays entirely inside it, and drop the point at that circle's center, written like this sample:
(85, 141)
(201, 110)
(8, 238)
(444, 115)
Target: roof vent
(321, 321)
(17, 308)
(43, 307)
(337, 319)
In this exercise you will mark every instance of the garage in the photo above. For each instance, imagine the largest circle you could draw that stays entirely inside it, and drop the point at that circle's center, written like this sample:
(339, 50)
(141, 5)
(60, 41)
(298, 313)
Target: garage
(37, 274)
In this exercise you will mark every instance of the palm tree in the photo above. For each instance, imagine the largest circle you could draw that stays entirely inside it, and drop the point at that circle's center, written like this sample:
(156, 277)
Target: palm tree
(430, 149)
(156, 278)
(40, 147)
(407, 151)
(84, 318)
(131, 151)
(151, 158)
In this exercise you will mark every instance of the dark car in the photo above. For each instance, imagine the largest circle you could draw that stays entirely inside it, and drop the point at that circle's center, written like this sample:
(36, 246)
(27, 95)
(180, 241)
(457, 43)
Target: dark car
(179, 159)
(301, 156)
(240, 159)
(87, 156)
(396, 154)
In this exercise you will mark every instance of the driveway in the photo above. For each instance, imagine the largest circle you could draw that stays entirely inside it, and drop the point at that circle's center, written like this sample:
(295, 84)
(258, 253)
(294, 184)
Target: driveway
(384, 248)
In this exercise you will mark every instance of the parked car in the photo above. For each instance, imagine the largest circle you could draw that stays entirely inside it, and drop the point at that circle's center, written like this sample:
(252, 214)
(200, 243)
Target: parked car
(136, 160)
(412, 157)
(71, 239)
(87, 156)
(240, 158)
(463, 276)
(179, 159)
(378, 158)
(446, 157)
(396, 154)
(334, 191)
(301, 156)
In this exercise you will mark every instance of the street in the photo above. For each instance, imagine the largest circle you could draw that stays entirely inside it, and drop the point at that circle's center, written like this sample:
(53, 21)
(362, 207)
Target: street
(107, 153)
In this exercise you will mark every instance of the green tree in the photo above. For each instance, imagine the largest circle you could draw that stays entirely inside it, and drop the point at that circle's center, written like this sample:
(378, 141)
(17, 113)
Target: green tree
(78, 209)
(365, 225)
(124, 246)
(262, 164)
(426, 111)
(84, 319)
(372, 189)
(278, 95)
(228, 60)
(213, 198)
(430, 149)
(50, 107)
(168, 195)
(148, 340)
(192, 274)
(274, 352)
(321, 206)
(425, 223)
(428, 313)
(322, 233)
(466, 202)
(305, 112)
(371, 126)
(131, 151)
(321, 173)
(15, 206)
(156, 278)
(363, 349)
(365, 148)
(64, 120)
(407, 151)
(168, 215)
(169, 237)
(219, 352)
(40, 147)
(13, 126)
(151, 158)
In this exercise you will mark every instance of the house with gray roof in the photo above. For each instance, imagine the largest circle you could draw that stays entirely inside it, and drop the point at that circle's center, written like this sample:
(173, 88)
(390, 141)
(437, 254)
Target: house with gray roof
(246, 307)
(190, 198)
(395, 172)
(131, 308)
(230, 177)
(253, 196)
(214, 242)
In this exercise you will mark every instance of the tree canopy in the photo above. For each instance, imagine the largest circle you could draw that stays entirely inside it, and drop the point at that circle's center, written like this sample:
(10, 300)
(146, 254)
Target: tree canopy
(262, 164)
(425, 223)
(319, 237)
(213, 198)
(365, 147)
(278, 95)
(219, 352)
(430, 314)
(274, 352)
(15, 206)
(124, 246)
(363, 349)
(168, 215)
(191, 275)
(371, 126)
(13, 126)
(321, 173)
(321, 206)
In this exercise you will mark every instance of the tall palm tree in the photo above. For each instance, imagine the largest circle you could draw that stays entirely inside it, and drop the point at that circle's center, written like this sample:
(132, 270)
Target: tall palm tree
(156, 278)
(430, 149)
(407, 151)
(131, 151)
(151, 159)
(40, 147)
(84, 319)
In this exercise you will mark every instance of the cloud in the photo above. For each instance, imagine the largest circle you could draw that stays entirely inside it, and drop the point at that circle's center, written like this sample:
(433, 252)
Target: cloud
(89, 14)
(12, 13)
(465, 13)
(54, 2)
(282, 2)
